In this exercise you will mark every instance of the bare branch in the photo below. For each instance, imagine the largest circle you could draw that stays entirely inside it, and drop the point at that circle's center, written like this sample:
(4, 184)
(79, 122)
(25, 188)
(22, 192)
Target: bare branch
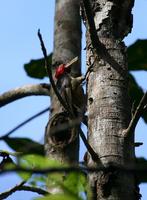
(6, 194)
(24, 122)
(33, 189)
(139, 111)
(88, 146)
(21, 187)
(91, 26)
(49, 71)
(24, 91)
(138, 144)
(131, 168)
(98, 47)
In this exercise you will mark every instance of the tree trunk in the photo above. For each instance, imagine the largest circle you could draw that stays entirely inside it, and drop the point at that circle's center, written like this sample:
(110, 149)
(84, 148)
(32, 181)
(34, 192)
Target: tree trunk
(64, 146)
(108, 101)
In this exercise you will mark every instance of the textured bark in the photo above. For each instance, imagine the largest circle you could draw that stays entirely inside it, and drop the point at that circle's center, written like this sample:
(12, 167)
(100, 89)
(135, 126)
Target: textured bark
(24, 91)
(108, 101)
(67, 40)
(64, 145)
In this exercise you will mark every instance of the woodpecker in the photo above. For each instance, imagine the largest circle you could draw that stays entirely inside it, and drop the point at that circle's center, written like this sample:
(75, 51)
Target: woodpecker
(70, 89)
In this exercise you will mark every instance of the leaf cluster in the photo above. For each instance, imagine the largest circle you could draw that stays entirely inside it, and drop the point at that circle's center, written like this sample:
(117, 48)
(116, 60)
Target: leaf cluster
(72, 185)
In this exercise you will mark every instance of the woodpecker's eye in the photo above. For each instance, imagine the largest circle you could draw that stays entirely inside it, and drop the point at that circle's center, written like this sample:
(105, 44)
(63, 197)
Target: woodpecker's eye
(60, 70)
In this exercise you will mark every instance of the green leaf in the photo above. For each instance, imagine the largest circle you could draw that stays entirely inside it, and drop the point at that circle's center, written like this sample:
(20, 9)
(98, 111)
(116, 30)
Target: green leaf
(36, 161)
(24, 145)
(136, 93)
(25, 175)
(75, 183)
(33, 161)
(7, 163)
(59, 197)
(36, 68)
(137, 55)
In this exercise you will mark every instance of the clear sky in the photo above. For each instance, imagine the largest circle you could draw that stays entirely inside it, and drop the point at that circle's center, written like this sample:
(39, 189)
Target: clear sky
(19, 22)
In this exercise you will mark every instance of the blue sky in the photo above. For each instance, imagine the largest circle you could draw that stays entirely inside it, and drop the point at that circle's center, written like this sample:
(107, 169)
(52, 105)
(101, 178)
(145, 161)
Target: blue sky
(19, 22)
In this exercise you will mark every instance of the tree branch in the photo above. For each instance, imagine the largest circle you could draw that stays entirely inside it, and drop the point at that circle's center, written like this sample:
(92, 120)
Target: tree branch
(24, 91)
(21, 187)
(98, 47)
(24, 122)
(49, 72)
(139, 111)
(91, 26)
(130, 168)
(33, 189)
(4, 195)
(88, 146)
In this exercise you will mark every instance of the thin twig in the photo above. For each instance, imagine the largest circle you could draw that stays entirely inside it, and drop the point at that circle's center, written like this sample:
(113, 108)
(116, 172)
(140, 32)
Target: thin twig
(93, 154)
(24, 122)
(49, 71)
(33, 189)
(88, 146)
(98, 47)
(139, 111)
(6, 194)
(21, 187)
(24, 91)
(91, 26)
(142, 168)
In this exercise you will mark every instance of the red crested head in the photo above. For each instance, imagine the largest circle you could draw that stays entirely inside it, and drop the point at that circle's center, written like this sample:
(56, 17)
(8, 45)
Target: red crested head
(60, 70)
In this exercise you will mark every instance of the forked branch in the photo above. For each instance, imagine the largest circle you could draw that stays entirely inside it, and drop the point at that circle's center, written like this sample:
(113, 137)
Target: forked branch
(138, 113)
(21, 187)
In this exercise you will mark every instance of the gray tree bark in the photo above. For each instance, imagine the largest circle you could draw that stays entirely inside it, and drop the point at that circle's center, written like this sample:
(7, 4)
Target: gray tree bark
(108, 102)
(64, 146)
